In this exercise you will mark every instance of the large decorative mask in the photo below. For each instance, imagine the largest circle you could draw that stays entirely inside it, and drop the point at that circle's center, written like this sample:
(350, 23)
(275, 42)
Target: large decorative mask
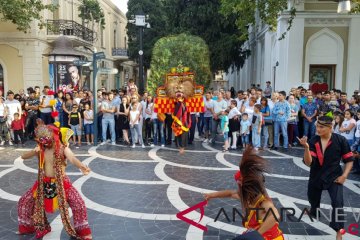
(44, 135)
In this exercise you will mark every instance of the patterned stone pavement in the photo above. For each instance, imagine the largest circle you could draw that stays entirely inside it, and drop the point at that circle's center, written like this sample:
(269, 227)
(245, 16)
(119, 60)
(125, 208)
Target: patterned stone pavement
(135, 194)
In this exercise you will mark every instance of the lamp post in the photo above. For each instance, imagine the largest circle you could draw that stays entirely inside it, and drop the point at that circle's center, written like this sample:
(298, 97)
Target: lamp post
(140, 21)
(344, 6)
(276, 65)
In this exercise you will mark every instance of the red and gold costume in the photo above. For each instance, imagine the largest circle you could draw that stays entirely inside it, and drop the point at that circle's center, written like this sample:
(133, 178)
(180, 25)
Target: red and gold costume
(250, 180)
(51, 193)
(180, 96)
(273, 233)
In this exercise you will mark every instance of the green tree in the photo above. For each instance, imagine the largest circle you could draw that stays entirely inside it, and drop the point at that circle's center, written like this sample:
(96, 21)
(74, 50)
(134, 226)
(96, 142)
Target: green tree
(158, 24)
(203, 18)
(168, 52)
(90, 10)
(268, 11)
(23, 12)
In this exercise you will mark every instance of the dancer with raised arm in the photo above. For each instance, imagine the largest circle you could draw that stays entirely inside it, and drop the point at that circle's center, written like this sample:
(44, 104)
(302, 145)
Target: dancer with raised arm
(53, 189)
(252, 194)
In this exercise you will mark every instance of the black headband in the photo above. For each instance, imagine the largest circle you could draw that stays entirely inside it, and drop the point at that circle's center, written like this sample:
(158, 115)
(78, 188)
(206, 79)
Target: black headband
(324, 123)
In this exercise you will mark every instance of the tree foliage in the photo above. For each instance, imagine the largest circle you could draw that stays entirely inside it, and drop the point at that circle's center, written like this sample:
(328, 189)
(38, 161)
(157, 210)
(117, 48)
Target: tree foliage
(356, 6)
(90, 10)
(203, 18)
(246, 11)
(267, 10)
(23, 12)
(198, 17)
(158, 22)
(191, 51)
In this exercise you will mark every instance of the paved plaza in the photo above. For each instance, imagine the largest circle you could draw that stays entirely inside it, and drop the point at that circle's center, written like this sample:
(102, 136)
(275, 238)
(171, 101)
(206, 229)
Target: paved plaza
(135, 194)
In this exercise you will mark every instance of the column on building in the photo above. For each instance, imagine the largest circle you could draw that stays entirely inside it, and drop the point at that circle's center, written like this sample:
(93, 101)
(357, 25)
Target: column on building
(289, 72)
(258, 67)
(32, 53)
(353, 70)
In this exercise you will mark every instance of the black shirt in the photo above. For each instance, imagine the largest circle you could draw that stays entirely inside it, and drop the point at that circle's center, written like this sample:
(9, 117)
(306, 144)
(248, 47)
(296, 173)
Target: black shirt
(74, 118)
(32, 102)
(326, 168)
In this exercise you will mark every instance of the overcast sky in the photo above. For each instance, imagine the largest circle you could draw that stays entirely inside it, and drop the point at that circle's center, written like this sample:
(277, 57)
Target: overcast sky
(122, 4)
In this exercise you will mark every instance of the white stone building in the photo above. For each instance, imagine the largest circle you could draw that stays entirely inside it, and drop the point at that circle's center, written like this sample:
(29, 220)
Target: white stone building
(322, 46)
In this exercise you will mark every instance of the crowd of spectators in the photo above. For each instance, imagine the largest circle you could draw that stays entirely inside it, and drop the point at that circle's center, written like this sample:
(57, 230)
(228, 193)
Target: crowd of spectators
(264, 119)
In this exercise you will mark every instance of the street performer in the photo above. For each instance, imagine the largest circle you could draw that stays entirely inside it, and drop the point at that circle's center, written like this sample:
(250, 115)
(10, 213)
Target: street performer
(252, 194)
(53, 189)
(323, 154)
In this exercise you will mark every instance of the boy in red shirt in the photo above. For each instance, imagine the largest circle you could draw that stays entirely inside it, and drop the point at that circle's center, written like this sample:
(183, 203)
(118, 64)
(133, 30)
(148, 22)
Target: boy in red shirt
(17, 125)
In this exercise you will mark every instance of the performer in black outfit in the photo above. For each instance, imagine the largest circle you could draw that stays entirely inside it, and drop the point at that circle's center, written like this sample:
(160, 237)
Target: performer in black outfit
(323, 154)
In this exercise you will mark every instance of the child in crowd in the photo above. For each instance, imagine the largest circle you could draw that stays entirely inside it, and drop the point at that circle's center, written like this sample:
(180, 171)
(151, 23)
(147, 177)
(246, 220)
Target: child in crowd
(334, 104)
(355, 146)
(245, 129)
(234, 123)
(89, 124)
(256, 127)
(347, 128)
(225, 128)
(339, 118)
(18, 127)
(75, 124)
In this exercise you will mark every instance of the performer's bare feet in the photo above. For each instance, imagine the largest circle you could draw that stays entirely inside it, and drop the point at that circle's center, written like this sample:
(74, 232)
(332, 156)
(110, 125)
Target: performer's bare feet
(339, 235)
(182, 150)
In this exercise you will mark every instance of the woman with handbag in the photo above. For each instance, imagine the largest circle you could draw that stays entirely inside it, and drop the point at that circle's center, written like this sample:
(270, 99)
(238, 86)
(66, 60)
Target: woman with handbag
(293, 130)
(4, 129)
(122, 119)
(265, 111)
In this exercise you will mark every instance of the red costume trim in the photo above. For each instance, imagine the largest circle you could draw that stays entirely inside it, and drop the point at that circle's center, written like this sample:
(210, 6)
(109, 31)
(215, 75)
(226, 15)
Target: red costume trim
(274, 233)
(320, 154)
(347, 155)
(50, 205)
(313, 153)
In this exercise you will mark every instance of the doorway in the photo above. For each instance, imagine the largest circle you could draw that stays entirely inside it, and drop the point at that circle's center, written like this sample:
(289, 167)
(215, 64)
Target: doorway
(323, 74)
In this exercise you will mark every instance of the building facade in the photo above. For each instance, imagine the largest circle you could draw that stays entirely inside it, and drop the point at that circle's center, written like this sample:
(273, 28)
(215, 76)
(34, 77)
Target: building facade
(321, 47)
(26, 58)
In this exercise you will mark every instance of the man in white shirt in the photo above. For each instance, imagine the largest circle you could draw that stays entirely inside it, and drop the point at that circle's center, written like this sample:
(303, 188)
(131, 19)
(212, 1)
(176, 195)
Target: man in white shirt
(44, 107)
(228, 98)
(239, 99)
(13, 106)
(218, 106)
(271, 103)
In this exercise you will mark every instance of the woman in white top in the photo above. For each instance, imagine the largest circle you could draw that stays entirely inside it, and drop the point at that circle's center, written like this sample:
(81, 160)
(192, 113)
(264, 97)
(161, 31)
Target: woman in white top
(135, 114)
(148, 125)
(249, 109)
(4, 130)
(347, 128)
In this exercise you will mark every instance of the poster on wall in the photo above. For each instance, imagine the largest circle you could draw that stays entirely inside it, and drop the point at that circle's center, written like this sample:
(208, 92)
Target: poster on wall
(51, 76)
(71, 78)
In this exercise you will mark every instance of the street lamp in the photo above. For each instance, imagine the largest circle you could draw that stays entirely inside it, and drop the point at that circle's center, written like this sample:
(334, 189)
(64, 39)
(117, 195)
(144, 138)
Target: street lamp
(276, 65)
(140, 21)
(344, 6)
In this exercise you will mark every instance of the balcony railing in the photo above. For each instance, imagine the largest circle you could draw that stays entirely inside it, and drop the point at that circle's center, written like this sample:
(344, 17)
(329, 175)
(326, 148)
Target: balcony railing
(70, 28)
(119, 52)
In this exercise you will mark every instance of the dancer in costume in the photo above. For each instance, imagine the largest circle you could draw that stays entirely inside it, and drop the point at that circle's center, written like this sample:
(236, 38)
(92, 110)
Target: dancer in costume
(53, 189)
(180, 96)
(251, 193)
(323, 154)
(181, 123)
